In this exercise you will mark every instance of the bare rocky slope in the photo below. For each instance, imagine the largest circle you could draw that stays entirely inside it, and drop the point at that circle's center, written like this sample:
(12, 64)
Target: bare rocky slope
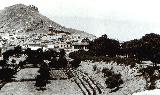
(20, 17)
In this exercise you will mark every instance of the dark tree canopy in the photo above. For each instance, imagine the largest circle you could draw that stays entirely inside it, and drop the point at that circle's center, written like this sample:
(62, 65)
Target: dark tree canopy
(103, 46)
(146, 48)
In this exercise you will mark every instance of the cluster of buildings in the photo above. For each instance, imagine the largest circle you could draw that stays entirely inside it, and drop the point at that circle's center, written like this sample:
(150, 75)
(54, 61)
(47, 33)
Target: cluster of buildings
(58, 39)
(54, 39)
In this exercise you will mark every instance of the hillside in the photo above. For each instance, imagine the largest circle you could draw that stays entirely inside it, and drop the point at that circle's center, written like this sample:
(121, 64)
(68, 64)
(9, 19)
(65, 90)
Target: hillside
(20, 17)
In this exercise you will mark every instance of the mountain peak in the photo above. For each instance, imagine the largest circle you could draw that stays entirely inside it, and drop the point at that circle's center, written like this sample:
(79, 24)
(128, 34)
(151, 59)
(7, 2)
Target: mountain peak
(22, 7)
(20, 17)
(17, 5)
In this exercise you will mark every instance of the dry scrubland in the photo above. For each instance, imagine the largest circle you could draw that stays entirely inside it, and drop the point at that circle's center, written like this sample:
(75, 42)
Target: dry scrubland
(132, 82)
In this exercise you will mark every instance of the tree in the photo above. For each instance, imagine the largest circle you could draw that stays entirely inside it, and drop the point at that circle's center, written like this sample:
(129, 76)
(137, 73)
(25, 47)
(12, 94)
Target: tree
(50, 54)
(3, 63)
(7, 54)
(7, 73)
(78, 54)
(28, 52)
(156, 59)
(34, 56)
(62, 62)
(103, 46)
(54, 63)
(144, 48)
(114, 81)
(17, 50)
(42, 79)
(75, 63)
(62, 53)
(39, 56)
(21, 64)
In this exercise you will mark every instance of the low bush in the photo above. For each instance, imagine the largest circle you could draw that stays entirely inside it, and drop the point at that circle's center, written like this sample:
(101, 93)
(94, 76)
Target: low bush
(149, 70)
(149, 74)
(94, 67)
(114, 81)
(107, 72)
(75, 63)
(13, 61)
(6, 74)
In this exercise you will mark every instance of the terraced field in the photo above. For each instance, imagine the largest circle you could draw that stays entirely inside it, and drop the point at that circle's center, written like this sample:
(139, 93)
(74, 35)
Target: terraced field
(62, 82)
(58, 75)
(87, 85)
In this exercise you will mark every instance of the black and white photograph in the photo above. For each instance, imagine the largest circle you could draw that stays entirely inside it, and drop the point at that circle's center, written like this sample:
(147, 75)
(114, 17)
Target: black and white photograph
(79, 47)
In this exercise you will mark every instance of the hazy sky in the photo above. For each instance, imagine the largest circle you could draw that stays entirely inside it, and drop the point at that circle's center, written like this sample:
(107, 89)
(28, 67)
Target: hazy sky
(120, 19)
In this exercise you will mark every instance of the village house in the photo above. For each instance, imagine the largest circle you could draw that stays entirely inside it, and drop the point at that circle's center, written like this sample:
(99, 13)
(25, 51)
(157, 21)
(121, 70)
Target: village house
(33, 46)
(62, 45)
(82, 45)
(75, 38)
(50, 46)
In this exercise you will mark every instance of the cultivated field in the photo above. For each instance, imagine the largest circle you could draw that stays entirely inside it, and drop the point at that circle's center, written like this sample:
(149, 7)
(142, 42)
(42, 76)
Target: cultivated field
(87, 79)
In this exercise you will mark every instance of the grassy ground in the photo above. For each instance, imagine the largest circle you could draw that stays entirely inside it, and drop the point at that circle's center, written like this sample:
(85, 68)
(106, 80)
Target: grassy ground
(27, 87)
(56, 87)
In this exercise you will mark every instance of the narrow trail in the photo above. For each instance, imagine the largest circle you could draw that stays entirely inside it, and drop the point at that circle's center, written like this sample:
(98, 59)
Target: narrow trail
(92, 82)
(84, 82)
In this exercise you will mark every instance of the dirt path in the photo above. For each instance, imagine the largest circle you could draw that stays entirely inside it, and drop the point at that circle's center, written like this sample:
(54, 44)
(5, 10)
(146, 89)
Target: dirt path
(84, 82)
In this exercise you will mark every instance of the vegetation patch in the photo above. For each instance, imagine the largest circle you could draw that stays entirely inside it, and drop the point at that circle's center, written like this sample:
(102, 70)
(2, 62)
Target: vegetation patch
(151, 75)
(113, 81)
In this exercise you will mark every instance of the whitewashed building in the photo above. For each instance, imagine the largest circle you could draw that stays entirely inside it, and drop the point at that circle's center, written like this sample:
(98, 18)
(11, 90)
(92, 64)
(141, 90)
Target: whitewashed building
(81, 45)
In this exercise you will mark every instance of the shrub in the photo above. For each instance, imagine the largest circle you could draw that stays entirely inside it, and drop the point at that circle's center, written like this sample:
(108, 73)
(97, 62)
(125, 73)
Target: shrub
(94, 67)
(107, 72)
(42, 79)
(149, 74)
(6, 74)
(148, 70)
(62, 61)
(17, 50)
(114, 81)
(40, 82)
(152, 84)
(75, 63)
(13, 61)
(21, 64)
(53, 63)
(132, 65)
(3, 63)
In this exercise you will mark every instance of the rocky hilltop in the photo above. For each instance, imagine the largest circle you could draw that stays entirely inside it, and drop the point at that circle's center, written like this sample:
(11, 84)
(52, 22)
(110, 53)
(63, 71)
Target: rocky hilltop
(24, 18)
